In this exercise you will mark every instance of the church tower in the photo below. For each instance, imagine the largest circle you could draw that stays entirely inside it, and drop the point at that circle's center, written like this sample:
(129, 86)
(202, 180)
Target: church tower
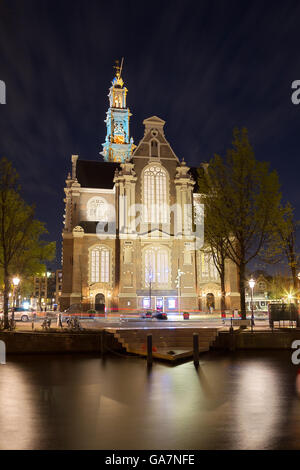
(118, 144)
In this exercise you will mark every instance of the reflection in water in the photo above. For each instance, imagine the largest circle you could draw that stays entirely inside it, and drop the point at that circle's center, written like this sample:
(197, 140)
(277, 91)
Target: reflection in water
(17, 408)
(244, 400)
(258, 403)
(298, 383)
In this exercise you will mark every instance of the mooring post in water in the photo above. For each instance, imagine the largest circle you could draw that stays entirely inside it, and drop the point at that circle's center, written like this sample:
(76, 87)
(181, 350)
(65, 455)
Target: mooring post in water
(149, 350)
(231, 338)
(102, 343)
(196, 348)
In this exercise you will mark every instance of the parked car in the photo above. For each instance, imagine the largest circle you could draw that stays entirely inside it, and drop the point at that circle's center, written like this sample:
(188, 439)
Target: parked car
(160, 315)
(20, 314)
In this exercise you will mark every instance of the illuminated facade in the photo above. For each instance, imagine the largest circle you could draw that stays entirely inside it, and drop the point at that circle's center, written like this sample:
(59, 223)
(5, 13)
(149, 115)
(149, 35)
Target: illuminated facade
(129, 260)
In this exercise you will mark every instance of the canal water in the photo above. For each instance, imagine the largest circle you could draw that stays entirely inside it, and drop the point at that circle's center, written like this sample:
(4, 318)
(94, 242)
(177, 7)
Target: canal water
(245, 400)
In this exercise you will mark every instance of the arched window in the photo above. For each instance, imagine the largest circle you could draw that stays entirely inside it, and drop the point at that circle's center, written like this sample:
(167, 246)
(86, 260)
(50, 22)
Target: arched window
(208, 268)
(156, 263)
(100, 264)
(155, 195)
(213, 270)
(97, 210)
(154, 148)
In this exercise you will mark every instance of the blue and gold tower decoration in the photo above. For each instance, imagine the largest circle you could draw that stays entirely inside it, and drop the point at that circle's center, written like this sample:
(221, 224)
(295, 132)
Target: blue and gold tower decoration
(118, 144)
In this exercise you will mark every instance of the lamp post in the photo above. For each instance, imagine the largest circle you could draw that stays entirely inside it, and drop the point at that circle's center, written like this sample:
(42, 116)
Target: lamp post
(179, 274)
(109, 297)
(252, 285)
(16, 282)
(149, 273)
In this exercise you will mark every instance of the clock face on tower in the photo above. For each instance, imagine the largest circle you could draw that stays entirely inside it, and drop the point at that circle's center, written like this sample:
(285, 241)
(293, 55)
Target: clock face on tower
(119, 128)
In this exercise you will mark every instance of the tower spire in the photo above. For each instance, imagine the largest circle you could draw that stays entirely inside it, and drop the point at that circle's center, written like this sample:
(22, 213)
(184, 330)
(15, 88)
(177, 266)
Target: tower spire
(119, 68)
(118, 145)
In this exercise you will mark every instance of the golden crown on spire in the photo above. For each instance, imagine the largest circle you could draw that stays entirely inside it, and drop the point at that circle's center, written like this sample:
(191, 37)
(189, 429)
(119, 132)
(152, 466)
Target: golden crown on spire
(118, 79)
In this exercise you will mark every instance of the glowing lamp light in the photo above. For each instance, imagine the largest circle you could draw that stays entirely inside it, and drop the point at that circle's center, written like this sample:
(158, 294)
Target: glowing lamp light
(16, 281)
(109, 295)
(252, 283)
(26, 305)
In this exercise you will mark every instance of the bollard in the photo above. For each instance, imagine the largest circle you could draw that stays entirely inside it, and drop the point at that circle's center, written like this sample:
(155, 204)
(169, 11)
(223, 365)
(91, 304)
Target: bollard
(149, 350)
(196, 348)
(231, 338)
(102, 343)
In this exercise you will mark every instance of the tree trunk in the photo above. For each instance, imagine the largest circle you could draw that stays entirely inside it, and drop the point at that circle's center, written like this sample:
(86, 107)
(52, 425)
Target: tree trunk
(242, 290)
(5, 300)
(293, 264)
(295, 279)
(223, 292)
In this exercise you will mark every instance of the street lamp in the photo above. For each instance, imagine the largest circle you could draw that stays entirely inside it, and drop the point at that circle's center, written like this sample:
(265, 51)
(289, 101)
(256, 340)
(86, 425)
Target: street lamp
(109, 297)
(16, 282)
(149, 277)
(179, 274)
(252, 285)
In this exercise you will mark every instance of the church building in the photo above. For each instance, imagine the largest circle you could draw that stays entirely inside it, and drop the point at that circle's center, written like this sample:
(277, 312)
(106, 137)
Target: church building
(129, 237)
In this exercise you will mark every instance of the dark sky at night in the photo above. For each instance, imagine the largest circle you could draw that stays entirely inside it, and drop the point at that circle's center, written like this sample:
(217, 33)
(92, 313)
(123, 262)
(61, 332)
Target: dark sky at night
(203, 66)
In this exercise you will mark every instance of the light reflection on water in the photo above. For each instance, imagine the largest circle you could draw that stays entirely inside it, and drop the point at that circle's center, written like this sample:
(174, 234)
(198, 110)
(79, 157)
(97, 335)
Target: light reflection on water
(246, 400)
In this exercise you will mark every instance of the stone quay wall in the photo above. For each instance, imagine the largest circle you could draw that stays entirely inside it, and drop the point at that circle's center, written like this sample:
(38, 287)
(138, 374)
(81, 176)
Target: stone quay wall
(53, 343)
(280, 339)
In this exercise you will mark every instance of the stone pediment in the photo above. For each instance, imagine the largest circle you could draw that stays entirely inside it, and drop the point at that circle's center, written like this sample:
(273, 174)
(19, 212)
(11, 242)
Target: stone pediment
(155, 120)
(210, 286)
(155, 234)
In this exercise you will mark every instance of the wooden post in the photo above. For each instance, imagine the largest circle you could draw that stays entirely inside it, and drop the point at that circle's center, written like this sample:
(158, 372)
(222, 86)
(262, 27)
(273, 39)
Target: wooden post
(102, 343)
(196, 348)
(149, 350)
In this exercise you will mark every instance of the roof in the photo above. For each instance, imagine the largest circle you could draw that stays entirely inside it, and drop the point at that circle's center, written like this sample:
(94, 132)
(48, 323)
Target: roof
(93, 174)
(154, 120)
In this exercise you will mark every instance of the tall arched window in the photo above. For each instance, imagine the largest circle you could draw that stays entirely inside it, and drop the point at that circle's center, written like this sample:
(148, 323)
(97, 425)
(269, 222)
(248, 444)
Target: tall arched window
(155, 195)
(208, 268)
(100, 264)
(156, 264)
(97, 210)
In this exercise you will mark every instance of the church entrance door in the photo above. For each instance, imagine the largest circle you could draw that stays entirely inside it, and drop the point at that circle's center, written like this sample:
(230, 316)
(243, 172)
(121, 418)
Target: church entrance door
(99, 303)
(210, 301)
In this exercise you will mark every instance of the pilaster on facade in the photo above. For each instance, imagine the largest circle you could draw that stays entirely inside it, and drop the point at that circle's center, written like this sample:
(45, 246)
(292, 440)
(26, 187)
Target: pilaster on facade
(184, 184)
(125, 181)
